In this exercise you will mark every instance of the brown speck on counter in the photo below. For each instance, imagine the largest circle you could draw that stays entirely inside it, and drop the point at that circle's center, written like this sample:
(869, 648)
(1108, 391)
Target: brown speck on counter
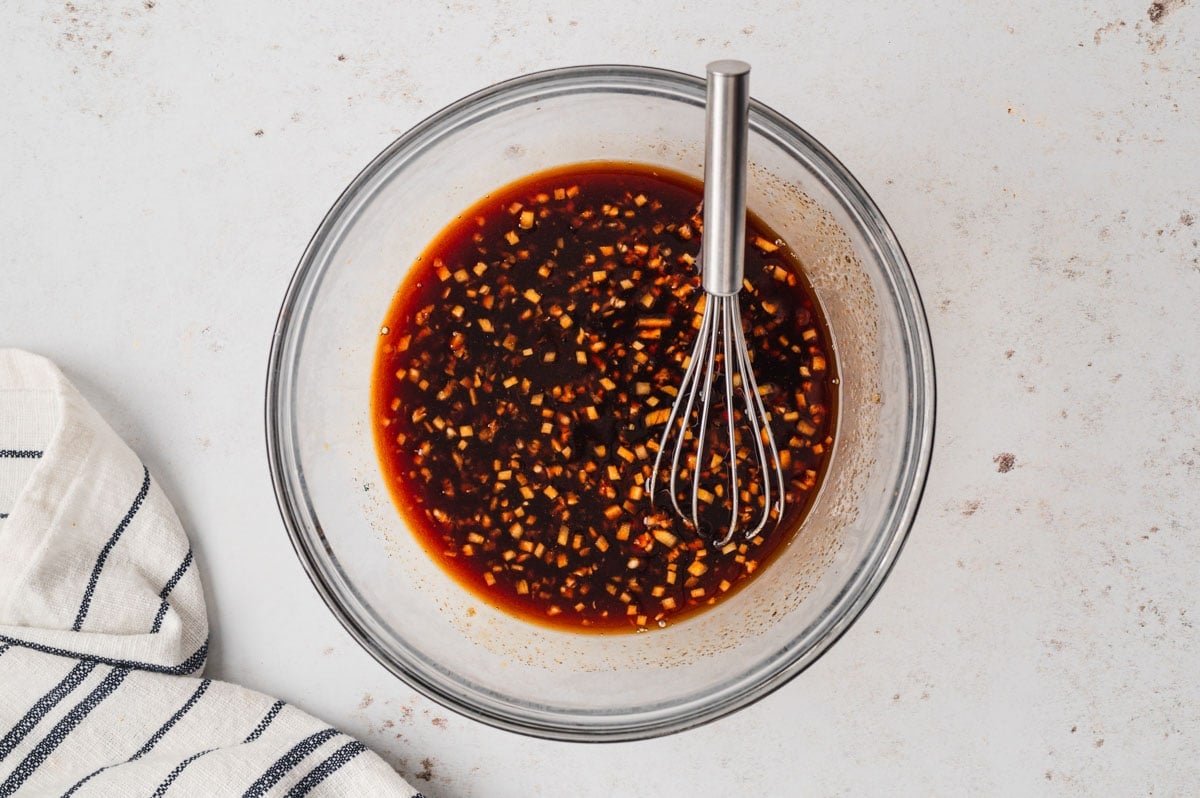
(970, 507)
(258, 132)
(1009, 353)
(441, 723)
(1109, 28)
(426, 773)
(1187, 219)
(341, 57)
(1099, 742)
(367, 700)
(1004, 462)
(1156, 12)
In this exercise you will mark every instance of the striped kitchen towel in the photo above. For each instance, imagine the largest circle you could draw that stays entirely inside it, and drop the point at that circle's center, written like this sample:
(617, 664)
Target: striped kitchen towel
(103, 631)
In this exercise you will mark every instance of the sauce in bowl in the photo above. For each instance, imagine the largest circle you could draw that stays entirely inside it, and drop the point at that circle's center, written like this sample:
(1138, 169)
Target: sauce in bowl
(523, 376)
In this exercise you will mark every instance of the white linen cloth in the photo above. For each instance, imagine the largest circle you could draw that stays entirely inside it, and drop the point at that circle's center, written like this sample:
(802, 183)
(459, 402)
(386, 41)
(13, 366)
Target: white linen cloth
(103, 631)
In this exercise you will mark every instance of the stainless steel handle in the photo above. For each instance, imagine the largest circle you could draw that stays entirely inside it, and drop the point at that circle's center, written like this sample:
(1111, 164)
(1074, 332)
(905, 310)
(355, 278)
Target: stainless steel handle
(727, 120)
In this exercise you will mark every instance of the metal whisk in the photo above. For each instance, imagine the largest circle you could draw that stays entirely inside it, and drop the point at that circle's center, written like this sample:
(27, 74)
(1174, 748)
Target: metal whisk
(719, 355)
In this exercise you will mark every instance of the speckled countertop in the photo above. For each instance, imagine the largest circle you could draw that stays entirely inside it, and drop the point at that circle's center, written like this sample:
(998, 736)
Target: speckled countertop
(163, 164)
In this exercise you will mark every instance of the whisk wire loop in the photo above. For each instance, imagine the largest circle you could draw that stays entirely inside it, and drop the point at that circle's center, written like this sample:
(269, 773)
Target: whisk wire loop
(759, 422)
(700, 433)
(685, 390)
(728, 307)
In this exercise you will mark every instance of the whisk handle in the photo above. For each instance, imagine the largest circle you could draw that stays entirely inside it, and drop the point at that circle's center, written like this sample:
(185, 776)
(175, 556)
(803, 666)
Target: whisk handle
(727, 133)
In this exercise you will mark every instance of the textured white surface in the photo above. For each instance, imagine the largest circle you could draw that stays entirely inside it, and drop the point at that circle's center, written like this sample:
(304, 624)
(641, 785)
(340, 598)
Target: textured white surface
(163, 164)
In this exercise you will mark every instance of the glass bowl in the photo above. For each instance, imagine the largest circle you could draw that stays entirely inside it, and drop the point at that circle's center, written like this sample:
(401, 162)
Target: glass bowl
(402, 607)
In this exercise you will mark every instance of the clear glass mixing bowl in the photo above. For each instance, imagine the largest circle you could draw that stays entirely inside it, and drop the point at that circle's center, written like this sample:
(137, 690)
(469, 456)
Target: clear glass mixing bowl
(402, 607)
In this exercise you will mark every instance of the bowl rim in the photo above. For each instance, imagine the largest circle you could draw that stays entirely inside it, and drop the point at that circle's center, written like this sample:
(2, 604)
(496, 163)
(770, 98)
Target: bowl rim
(920, 425)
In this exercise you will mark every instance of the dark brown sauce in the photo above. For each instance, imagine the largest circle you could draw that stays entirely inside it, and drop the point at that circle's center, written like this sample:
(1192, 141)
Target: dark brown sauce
(516, 372)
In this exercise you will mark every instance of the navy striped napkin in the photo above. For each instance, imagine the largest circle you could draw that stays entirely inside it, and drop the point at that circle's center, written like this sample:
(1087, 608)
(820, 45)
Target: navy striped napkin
(103, 631)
